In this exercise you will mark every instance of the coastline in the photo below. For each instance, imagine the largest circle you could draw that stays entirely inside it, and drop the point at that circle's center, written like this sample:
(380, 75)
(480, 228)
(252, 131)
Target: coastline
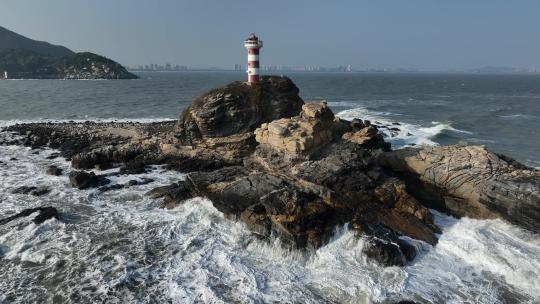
(266, 184)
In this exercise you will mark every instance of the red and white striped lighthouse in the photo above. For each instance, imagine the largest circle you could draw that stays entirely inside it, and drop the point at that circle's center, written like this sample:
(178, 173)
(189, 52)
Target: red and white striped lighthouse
(253, 44)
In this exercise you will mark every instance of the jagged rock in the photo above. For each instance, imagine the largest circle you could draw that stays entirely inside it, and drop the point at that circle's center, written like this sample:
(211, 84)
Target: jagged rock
(470, 181)
(111, 187)
(161, 191)
(84, 180)
(130, 183)
(314, 127)
(363, 135)
(244, 192)
(238, 108)
(32, 190)
(54, 170)
(53, 156)
(133, 168)
(173, 194)
(44, 214)
(296, 171)
(177, 195)
(102, 158)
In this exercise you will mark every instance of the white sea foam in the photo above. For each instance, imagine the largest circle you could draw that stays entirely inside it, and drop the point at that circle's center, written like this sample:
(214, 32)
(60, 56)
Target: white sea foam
(120, 246)
(407, 135)
(516, 116)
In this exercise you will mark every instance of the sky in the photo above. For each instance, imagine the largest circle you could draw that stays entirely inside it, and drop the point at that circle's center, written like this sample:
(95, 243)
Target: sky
(413, 34)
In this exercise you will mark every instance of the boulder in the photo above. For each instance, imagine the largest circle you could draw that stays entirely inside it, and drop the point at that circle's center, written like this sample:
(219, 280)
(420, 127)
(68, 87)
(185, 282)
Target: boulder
(238, 108)
(32, 190)
(54, 170)
(470, 181)
(161, 191)
(314, 127)
(84, 180)
(173, 194)
(102, 157)
(133, 167)
(364, 135)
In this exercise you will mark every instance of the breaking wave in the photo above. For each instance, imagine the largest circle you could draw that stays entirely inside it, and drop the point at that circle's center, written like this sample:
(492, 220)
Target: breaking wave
(517, 117)
(401, 134)
(120, 246)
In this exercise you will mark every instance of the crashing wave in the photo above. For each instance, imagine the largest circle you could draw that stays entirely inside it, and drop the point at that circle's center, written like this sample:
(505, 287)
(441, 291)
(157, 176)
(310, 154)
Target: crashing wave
(401, 134)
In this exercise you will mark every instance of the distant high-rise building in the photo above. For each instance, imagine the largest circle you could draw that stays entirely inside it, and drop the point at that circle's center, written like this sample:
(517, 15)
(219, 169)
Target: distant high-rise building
(238, 67)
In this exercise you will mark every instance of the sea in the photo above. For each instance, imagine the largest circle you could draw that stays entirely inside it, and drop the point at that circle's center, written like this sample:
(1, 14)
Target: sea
(121, 247)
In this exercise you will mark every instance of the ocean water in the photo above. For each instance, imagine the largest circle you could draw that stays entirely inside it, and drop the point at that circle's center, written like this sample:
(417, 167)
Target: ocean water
(120, 247)
(499, 111)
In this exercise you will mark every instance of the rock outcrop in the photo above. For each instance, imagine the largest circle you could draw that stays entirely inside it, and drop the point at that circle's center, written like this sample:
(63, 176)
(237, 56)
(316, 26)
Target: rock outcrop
(293, 170)
(44, 213)
(32, 190)
(470, 181)
(315, 127)
(305, 178)
(84, 180)
(54, 170)
(237, 109)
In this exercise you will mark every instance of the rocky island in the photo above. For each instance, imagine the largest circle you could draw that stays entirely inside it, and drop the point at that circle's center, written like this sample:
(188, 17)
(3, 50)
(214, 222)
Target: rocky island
(293, 170)
(24, 58)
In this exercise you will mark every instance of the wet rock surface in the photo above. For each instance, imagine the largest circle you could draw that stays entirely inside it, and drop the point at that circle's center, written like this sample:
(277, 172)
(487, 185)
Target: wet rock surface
(293, 170)
(471, 181)
(85, 180)
(304, 178)
(32, 190)
(54, 170)
(43, 214)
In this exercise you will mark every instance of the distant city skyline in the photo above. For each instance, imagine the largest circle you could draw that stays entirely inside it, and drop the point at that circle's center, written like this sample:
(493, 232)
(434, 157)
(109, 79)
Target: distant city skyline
(315, 68)
(412, 35)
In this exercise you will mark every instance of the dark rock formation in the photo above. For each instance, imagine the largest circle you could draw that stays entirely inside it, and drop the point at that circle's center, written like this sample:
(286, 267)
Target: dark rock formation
(295, 171)
(309, 174)
(238, 108)
(130, 183)
(470, 181)
(32, 190)
(84, 180)
(54, 170)
(44, 213)
(91, 144)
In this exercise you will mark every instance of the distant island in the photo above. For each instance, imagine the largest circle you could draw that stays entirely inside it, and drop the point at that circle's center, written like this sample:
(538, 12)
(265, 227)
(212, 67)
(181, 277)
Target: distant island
(24, 58)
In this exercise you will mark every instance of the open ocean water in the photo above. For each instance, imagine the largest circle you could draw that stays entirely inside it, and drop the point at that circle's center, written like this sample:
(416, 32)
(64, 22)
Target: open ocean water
(118, 247)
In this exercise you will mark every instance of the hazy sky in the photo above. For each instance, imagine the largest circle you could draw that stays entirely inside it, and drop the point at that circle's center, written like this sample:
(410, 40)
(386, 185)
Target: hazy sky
(428, 34)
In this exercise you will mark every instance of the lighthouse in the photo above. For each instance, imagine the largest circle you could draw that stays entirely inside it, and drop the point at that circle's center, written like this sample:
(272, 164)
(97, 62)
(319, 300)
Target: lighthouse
(253, 44)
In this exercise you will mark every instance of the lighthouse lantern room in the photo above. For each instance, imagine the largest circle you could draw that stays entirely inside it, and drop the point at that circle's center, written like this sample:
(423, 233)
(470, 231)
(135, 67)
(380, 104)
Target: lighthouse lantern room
(253, 44)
